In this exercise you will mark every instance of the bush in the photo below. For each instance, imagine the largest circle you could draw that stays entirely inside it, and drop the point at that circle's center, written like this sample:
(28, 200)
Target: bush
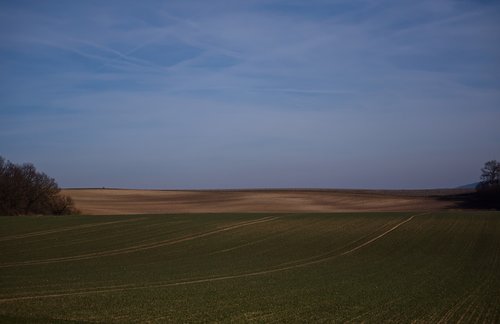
(25, 191)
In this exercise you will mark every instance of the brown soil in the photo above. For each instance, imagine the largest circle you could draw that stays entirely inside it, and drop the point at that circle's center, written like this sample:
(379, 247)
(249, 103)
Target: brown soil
(123, 201)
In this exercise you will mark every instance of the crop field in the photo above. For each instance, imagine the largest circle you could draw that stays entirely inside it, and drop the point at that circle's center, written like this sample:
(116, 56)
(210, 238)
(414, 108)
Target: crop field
(127, 201)
(436, 267)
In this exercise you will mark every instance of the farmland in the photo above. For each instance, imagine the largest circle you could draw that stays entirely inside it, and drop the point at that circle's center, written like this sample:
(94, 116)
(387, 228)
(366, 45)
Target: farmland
(126, 201)
(379, 266)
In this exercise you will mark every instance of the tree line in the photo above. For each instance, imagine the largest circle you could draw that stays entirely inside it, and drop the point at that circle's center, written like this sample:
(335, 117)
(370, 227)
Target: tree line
(26, 191)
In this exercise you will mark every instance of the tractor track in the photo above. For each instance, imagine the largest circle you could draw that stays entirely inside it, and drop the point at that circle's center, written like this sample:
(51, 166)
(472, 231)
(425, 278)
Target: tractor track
(108, 289)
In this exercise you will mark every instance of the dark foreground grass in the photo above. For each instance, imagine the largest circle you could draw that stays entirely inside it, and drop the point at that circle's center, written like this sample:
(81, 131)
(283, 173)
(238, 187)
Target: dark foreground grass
(375, 267)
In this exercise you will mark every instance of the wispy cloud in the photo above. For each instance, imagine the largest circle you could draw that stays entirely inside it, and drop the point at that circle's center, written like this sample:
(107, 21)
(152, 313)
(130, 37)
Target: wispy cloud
(316, 86)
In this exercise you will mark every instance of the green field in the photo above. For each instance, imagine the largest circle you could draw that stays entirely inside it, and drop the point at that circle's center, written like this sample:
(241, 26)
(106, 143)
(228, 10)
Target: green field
(400, 267)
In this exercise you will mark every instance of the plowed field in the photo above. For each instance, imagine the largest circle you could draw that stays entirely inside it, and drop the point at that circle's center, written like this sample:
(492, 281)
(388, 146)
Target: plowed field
(124, 201)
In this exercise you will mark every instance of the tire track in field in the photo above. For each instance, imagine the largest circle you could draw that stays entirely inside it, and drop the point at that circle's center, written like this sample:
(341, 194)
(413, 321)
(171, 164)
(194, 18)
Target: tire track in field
(486, 316)
(452, 270)
(288, 231)
(470, 314)
(130, 287)
(481, 312)
(374, 312)
(387, 309)
(471, 298)
(323, 259)
(64, 229)
(136, 248)
(329, 253)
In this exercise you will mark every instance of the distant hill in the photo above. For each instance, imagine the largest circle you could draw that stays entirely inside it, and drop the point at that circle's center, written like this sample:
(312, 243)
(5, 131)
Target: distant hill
(469, 186)
(123, 201)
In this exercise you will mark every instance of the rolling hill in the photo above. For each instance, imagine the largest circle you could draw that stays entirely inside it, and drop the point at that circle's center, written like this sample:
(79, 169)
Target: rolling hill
(123, 201)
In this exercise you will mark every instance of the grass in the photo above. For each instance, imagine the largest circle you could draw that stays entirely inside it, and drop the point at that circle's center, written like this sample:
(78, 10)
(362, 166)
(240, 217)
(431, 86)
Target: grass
(251, 268)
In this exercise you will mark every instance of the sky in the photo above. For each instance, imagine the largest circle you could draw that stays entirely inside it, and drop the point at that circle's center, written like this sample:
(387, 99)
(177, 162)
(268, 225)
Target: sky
(251, 94)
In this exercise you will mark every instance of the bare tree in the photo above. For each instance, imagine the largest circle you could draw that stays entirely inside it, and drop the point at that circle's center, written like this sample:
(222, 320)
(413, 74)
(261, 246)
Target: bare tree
(490, 176)
(24, 190)
(488, 190)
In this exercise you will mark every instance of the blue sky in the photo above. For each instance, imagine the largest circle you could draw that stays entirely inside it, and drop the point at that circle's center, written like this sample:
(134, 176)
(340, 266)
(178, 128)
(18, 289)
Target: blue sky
(243, 94)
